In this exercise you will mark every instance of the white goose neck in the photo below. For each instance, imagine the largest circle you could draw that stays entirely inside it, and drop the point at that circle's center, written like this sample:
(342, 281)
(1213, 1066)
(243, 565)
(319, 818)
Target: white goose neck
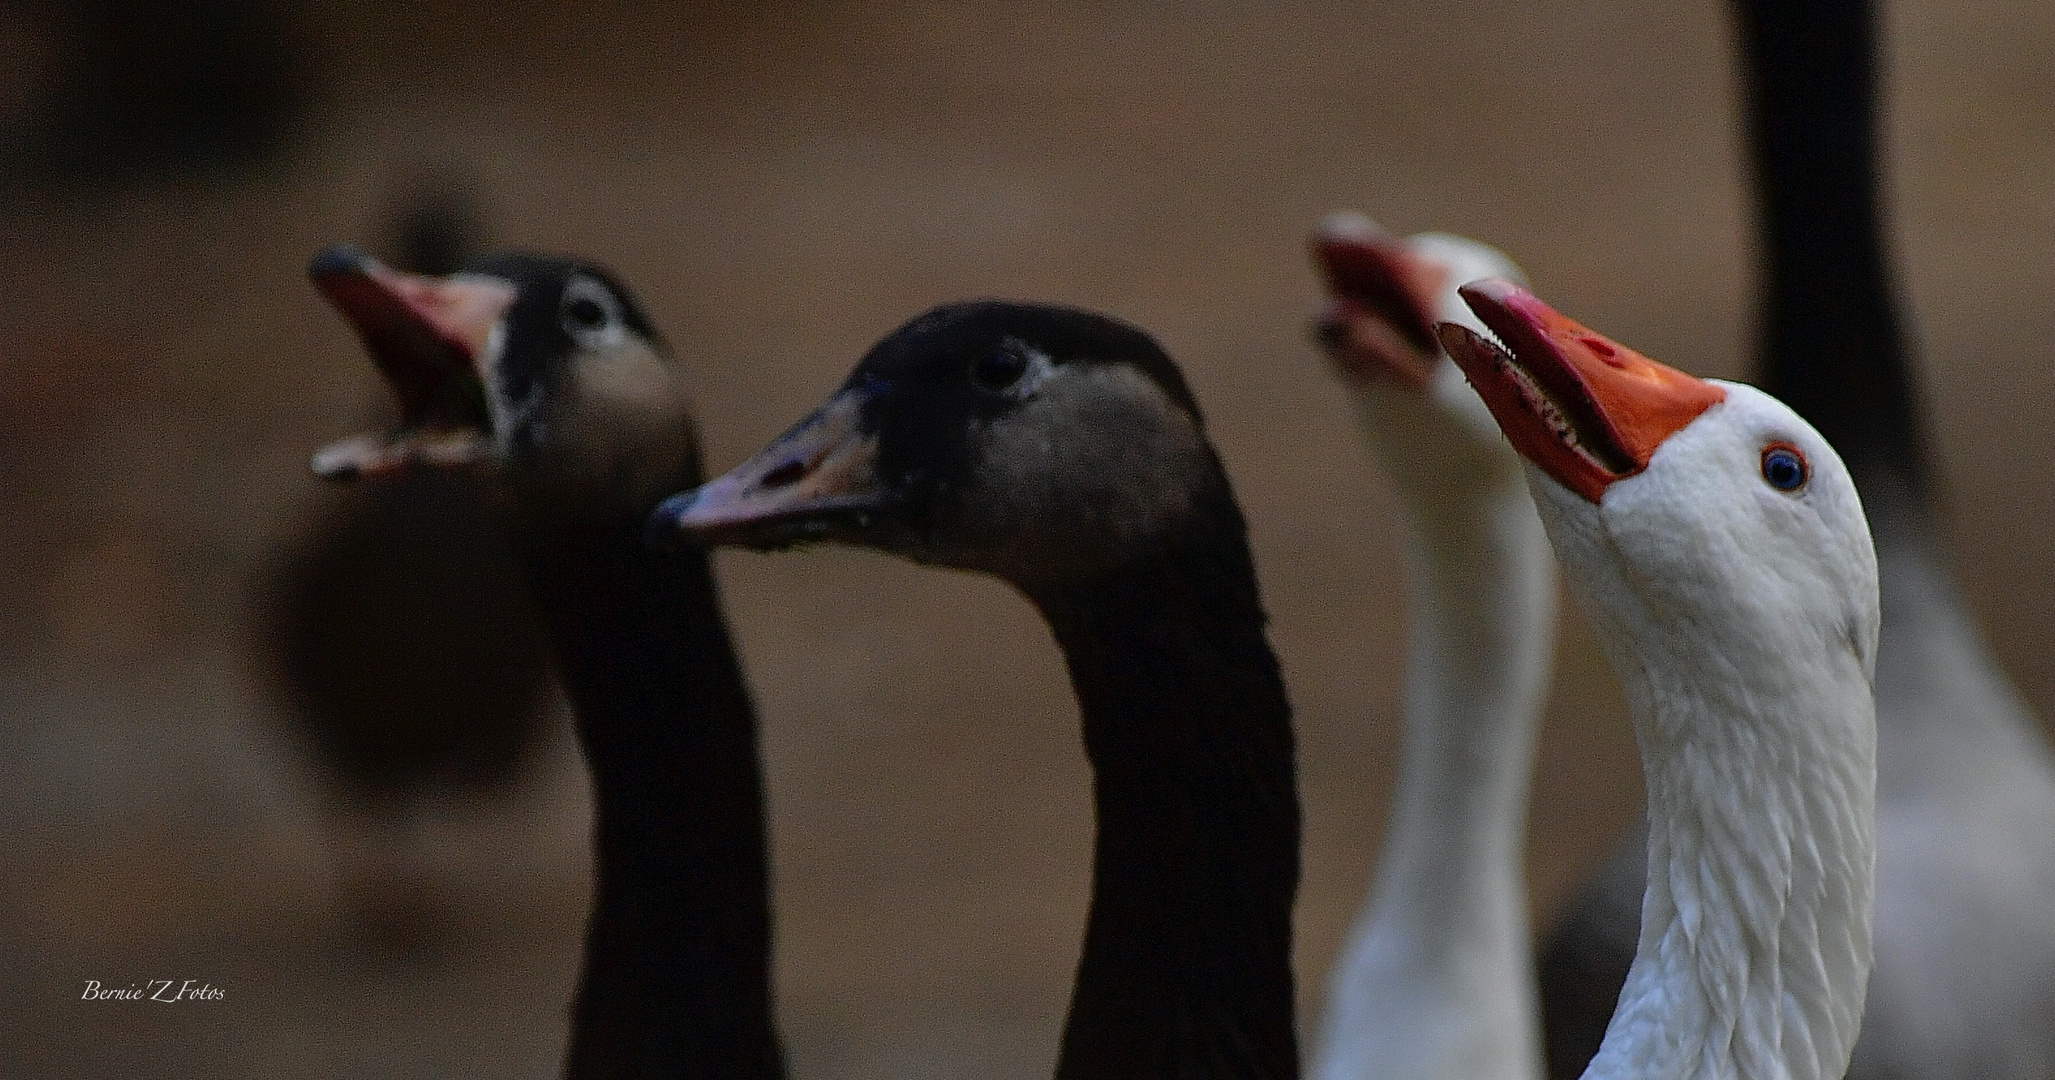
(1480, 595)
(1436, 978)
(1754, 950)
(1746, 654)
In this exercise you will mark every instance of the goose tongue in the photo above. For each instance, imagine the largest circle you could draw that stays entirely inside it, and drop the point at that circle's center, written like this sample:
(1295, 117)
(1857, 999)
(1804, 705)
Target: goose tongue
(1379, 322)
(1584, 408)
(428, 337)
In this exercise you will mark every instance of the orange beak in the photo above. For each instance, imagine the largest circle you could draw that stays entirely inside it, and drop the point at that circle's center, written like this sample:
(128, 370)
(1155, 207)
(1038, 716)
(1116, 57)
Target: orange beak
(1584, 408)
(1379, 323)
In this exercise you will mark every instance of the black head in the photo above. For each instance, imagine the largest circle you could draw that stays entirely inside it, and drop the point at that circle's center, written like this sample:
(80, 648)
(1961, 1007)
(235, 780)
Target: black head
(1037, 443)
(542, 368)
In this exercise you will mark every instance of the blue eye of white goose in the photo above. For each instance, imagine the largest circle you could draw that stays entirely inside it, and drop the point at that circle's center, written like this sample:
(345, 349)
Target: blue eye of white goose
(1783, 467)
(590, 313)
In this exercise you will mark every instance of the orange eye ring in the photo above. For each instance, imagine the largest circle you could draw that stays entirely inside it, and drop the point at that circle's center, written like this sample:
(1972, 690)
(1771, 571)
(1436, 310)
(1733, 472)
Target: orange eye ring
(1784, 467)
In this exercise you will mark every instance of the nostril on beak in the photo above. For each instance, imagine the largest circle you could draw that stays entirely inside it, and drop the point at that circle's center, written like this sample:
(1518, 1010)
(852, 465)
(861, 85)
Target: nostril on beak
(1605, 352)
(784, 475)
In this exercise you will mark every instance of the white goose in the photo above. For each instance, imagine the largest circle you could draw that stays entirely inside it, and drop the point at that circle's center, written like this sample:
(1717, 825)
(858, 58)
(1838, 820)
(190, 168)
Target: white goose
(1436, 978)
(1964, 986)
(1717, 546)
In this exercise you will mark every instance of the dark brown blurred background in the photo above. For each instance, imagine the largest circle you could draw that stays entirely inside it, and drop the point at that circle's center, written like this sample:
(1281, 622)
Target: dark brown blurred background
(783, 183)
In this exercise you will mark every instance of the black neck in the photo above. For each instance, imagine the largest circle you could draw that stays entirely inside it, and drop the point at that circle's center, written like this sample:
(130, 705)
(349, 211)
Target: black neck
(1833, 346)
(1186, 969)
(676, 980)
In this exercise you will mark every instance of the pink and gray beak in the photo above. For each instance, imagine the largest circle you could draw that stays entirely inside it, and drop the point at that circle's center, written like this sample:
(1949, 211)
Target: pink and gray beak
(818, 481)
(429, 338)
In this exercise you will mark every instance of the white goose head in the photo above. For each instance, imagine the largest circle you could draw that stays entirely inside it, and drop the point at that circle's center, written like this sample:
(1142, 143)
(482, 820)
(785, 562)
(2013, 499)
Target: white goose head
(1377, 330)
(1717, 546)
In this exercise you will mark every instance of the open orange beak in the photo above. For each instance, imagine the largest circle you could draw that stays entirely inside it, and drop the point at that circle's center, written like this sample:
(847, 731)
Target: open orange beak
(429, 338)
(1379, 321)
(1586, 409)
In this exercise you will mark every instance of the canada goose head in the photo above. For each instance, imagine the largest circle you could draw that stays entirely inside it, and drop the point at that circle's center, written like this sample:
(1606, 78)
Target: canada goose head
(539, 369)
(1677, 505)
(1027, 441)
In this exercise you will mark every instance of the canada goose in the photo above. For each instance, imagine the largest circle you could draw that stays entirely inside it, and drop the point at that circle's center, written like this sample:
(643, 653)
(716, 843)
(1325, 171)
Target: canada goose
(1716, 545)
(1436, 977)
(1965, 923)
(543, 372)
(1062, 452)
(409, 656)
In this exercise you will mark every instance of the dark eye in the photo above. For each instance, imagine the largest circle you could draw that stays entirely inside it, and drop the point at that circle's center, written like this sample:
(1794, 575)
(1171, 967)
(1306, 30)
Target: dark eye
(1784, 467)
(586, 312)
(998, 370)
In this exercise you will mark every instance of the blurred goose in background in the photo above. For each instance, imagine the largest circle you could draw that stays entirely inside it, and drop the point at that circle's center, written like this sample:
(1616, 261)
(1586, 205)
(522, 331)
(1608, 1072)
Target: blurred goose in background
(1965, 921)
(1062, 452)
(1436, 977)
(543, 373)
(409, 654)
(1716, 545)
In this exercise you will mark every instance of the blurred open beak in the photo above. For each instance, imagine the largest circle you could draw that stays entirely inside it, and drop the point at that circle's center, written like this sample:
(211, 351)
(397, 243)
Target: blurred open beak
(816, 480)
(1586, 409)
(1379, 320)
(429, 338)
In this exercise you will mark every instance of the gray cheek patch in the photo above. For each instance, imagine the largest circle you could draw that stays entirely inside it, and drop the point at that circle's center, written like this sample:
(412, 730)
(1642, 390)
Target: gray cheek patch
(1098, 462)
(1039, 368)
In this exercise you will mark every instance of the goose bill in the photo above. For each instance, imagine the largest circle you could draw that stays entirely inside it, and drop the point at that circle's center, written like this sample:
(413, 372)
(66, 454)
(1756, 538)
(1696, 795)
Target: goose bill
(430, 338)
(817, 481)
(1584, 408)
(1379, 323)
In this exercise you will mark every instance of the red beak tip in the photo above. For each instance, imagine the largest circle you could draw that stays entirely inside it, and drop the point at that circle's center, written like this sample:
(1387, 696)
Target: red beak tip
(1497, 292)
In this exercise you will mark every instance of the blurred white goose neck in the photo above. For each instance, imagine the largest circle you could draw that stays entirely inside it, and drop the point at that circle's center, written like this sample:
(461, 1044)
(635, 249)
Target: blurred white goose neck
(1480, 595)
(1435, 979)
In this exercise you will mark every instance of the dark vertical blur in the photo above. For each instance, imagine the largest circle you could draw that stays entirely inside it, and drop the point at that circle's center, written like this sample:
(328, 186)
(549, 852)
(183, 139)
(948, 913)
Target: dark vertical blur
(1832, 342)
